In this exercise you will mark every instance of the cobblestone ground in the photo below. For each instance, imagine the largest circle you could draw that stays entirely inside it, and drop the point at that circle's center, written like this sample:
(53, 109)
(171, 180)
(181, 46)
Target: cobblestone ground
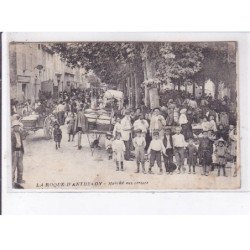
(72, 169)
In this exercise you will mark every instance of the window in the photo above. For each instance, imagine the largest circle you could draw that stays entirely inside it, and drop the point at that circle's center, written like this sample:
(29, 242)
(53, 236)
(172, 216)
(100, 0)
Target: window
(31, 62)
(24, 61)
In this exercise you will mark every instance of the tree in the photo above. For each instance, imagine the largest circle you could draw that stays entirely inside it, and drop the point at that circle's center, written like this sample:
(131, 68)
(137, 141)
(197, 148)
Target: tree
(156, 63)
(93, 79)
(219, 65)
(179, 62)
(105, 59)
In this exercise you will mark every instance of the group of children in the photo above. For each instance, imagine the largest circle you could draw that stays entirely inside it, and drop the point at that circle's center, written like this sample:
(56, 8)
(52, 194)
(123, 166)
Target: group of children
(57, 132)
(203, 151)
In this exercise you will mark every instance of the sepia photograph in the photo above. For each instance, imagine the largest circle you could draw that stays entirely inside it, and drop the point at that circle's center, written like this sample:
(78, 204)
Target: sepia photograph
(136, 116)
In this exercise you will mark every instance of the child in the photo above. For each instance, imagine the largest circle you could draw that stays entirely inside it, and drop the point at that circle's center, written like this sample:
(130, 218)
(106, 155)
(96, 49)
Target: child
(205, 152)
(139, 143)
(70, 121)
(118, 147)
(57, 135)
(179, 145)
(220, 152)
(168, 158)
(212, 122)
(155, 149)
(108, 145)
(192, 153)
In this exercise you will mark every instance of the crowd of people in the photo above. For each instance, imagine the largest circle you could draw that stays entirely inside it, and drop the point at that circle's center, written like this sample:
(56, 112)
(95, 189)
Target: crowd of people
(163, 134)
(184, 131)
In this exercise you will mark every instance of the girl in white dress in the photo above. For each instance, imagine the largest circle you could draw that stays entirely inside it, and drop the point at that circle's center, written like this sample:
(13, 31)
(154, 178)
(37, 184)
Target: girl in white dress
(118, 148)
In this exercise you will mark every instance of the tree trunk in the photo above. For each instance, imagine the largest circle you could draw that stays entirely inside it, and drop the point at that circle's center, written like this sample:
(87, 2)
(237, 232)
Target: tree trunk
(203, 87)
(179, 86)
(150, 100)
(216, 91)
(194, 89)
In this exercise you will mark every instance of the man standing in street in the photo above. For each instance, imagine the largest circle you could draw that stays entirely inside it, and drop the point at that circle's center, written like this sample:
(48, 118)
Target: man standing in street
(179, 144)
(126, 128)
(80, 126)
(17, 153)
(157, 123)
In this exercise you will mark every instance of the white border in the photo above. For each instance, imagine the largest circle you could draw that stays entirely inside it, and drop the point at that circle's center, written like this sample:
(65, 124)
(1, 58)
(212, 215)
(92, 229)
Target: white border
(35, 202)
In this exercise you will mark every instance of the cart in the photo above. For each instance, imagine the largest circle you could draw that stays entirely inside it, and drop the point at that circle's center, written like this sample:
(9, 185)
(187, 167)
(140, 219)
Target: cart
(99, 122)
(35, 122)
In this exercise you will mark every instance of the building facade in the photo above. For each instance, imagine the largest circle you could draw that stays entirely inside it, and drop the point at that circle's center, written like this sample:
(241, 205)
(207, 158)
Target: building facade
(34, 67)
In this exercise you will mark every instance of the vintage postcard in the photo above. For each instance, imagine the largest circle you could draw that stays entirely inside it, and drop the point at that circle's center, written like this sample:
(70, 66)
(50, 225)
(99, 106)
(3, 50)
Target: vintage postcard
(137, 116)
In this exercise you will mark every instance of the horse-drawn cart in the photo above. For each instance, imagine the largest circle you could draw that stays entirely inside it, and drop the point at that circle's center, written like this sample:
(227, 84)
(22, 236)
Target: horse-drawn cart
(99, 122)
(35, 122)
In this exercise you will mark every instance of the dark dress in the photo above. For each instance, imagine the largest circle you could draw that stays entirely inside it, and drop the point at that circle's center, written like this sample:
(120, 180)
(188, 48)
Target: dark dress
(192, 153)
(57, 135)
(168, 158)
(205, 151)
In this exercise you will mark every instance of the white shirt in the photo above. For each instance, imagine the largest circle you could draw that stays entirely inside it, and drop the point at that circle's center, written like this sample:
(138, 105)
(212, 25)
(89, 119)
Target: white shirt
(126, 127)
(141, 124)
(179, 141)
(212, 126)
(118, 146)
(192, 104)
(108, 143)
(157, 123)
(117, 128)
(205, 126)
(183, 119)
(156, 145)
(60, 108)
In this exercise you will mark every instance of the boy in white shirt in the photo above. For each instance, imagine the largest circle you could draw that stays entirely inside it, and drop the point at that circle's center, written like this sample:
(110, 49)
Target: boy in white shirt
(155, 149)
(179, 145)
(139, 143)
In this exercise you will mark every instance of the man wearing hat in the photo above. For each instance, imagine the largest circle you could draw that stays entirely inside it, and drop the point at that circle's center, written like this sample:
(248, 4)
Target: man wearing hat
(157, 123)
(17, 152)
(80, 125)
(156, 148)
(126, 128)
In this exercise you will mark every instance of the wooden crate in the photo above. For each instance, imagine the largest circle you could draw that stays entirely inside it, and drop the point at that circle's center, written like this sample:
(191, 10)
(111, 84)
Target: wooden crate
(29, 123)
